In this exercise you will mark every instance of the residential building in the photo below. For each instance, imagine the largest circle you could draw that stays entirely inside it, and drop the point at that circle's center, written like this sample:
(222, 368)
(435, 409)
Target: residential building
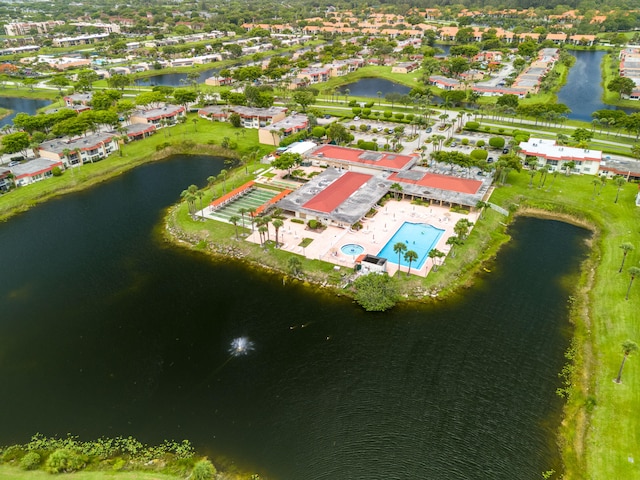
(26, 28)
(34, 171)
(273, 133)
(6, 179)
(161, 116)
(78, 151)
(547, 152)
(138, 131)
(79, 40)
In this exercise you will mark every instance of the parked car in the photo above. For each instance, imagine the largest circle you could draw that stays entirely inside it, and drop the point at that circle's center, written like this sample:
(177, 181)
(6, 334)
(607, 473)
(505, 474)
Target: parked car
(505, 151)
(356, 118)
(454, 144)
(429, 130)
(490, 160)
(14, 163)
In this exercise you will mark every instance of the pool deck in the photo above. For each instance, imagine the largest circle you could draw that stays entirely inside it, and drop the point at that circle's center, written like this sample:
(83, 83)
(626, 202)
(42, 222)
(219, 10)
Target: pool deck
(375, 233)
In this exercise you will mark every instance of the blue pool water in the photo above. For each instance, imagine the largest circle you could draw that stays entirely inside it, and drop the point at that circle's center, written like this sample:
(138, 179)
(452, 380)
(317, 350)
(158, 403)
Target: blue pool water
(352, 249)
(419, 237)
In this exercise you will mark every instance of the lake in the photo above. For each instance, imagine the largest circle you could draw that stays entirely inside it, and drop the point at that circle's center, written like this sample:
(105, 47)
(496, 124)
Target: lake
(107, 330)
(17, 105)
(369, 87)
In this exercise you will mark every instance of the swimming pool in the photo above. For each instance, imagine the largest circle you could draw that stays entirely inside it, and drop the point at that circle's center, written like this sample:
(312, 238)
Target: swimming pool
(419, 237)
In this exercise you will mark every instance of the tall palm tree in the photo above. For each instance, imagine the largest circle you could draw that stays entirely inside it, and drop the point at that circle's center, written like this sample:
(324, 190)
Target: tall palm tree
(242, 211)
(235, 219)
(399, 248)
(252, 212)
(262, 230)
(277, 224)
(620, 181)
(626, 248)
(211, 180)
(453, 240)
(200, 194)
(410, 257)
(634, 272)
(223, 174)
(628, 347)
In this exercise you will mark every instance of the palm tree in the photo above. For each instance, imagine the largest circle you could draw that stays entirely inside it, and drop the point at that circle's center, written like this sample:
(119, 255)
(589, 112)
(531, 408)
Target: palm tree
(261, 231)
(242, 211)
(277, 224)
(183, 121)
(399, 248)
(264, 220)
(410, 256)
(620, 181)
(252, 212)
(200, 194)
(634, 272)
(533, 165)
(195, 124)
(595, 183)
(223, 174)
(481, 205)
(396, 188)
(295, 265)
(626, 248)
(379, 97)
(453, 240)
(235, 219)
(628, 347)
(211, 180)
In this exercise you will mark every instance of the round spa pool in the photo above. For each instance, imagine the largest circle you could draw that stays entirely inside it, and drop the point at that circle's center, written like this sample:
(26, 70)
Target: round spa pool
(352, 249)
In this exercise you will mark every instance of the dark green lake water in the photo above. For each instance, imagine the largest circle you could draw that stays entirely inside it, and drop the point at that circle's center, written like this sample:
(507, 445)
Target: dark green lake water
(106, 331)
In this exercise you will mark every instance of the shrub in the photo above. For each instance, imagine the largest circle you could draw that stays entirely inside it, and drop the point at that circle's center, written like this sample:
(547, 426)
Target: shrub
(521, 138)
(496, 142)
(364, 145)
(366, 111)
(465, 141)
(356, 110)
(480, 143)
(387, 114)
(352, 127)
(14, 452)
(31, 461)
(501, 130)
(353, 103)
(368, 105)
(399, 115)
(203, 470)
(487, 129)
(313, 224)
(363, 127)
(56, 171)
(472, 126)
(479, 154)
(375, 293)
(63, 460)
(410, 117)
(297, 220)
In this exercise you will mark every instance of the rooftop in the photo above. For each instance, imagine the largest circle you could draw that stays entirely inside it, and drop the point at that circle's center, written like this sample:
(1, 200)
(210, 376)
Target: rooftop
(379, 160)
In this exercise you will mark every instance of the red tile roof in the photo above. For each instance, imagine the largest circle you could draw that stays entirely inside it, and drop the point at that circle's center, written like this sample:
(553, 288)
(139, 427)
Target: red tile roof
(336, 193)
(355, 155)
(443, 182)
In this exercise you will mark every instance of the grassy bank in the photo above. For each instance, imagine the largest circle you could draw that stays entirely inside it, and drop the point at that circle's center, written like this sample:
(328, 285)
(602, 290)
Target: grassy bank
(14, 473)
(610, 70)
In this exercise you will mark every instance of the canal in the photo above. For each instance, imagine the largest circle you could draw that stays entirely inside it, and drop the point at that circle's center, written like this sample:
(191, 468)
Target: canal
(106, 330)
(583, 91)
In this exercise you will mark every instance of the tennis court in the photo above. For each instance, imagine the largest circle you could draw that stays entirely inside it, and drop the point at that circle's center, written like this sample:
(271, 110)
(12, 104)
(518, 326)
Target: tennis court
(253, 199)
